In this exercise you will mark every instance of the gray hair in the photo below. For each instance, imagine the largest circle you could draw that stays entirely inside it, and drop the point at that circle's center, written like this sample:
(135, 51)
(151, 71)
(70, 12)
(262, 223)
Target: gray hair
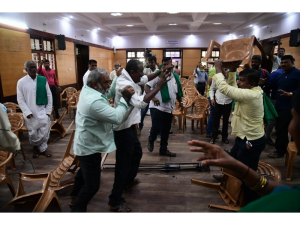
(116, 63)
(95, 76)
(27, 62)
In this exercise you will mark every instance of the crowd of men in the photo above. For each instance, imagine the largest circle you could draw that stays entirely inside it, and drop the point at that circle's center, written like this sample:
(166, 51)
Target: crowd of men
(101, 128)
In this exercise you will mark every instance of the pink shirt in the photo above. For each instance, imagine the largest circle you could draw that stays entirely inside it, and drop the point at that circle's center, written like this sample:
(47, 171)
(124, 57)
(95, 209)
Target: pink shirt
(49, 74)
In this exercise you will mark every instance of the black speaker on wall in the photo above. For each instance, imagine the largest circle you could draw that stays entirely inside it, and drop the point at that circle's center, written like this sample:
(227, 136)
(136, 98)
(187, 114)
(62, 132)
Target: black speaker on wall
(295, 38)
(61, 43)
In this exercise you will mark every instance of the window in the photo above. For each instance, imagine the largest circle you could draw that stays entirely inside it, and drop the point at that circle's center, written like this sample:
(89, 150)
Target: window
(214, 56)
(173, 53)
(41, 49)
(137, 55)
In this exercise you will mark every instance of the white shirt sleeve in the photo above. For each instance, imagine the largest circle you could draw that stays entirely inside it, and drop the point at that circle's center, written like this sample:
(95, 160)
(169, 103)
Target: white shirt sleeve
(144, 80)
(21, 99)
(49, 97)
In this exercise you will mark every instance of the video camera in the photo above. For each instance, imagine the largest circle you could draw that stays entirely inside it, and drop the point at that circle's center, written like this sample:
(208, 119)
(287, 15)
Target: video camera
(147, 53)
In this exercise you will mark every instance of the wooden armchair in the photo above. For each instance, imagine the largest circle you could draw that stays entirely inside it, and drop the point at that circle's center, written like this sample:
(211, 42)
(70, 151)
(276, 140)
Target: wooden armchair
(201, 104)
(72, 103)
(16, 121)
(69, 92)
(290, 156)
(177, 113)
(14, 108)
(46, 198)
(231, 189)
(236, 50)
(5, 157)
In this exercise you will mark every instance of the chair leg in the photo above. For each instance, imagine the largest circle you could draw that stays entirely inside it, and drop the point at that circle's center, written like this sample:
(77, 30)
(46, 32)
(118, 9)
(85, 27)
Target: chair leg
(12, 163)
(10, 186)
(202, 126)
(193, 125)
(69, 113)
(291, 158)
(180, 122)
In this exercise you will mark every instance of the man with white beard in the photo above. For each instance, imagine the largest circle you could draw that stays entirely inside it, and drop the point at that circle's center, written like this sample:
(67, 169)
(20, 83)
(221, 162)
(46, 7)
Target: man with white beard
(94, 134)
(35, 99)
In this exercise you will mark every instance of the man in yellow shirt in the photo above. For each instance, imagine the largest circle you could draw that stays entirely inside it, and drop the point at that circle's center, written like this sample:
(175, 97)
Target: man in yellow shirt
(247, 121)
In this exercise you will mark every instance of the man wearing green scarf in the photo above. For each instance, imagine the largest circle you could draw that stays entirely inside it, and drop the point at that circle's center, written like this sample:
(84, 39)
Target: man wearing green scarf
(161, 108)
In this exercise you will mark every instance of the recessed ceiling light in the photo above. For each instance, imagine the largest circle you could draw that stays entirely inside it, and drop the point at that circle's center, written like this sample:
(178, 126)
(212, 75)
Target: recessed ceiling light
(254, 27)
(66, 18)
(129, 25)
(251, 25)
(87, 30)
(173, 12)
(71, 17)
(116, 14)
(99, 29)
(217, 23)
(173, 24)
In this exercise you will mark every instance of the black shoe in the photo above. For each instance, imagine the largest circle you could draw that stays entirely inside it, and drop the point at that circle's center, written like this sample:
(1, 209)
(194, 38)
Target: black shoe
(150, 146)
(212, 141)
(218, 177)
(168, 153)
(270, 142)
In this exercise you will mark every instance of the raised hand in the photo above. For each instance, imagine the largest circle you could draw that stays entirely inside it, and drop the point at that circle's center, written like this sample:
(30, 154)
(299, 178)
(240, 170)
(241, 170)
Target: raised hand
(212, 102)
(213, 154)
(127, 92)
(119, 71)
(262, 81)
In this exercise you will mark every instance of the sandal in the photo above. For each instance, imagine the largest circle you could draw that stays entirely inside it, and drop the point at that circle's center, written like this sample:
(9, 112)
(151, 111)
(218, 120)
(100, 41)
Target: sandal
(46, 153)
(275, 155)
(226, 141)
(120, 208)
(212, 141)
(35, 153)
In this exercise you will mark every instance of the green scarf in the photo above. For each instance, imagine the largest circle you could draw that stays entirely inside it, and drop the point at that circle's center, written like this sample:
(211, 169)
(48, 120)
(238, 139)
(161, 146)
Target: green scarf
(165, 90)
(41, 92)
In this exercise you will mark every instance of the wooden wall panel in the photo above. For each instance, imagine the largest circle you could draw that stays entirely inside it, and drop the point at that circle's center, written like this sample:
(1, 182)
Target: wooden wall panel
(65, 60)
(104, 57)
(14, 52)
(190, 59)
(294, 51)
(120, 56)
(159, 55)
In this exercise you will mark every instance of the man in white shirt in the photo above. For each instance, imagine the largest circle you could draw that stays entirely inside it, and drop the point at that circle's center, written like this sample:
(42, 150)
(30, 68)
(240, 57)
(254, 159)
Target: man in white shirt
(277, 59)
(113, 73)
(35, 99)
(161, 108)
(129, 151)
(197, 70)
(222, 104)
(92, 65)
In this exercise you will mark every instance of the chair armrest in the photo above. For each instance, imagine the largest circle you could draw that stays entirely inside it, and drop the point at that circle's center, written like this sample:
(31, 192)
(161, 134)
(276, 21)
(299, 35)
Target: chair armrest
(29, 177)
(7, 160)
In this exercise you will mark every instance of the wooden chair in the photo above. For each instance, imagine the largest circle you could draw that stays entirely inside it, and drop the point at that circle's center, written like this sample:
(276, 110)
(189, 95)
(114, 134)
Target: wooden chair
(236, 50)
(190, 83)
(16, 121)
(191, 78)
(231, 189)
(15, 108)
(56, 126)
(69, 92)
(183, 80)
(191, 92)
(72, 103)
(201, 104)
(177, 113)
(290, 156)
(5, 157)
(46, 198)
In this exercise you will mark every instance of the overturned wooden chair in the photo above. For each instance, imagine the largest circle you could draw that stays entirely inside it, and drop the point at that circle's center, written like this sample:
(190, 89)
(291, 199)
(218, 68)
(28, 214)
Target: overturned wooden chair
(69, 91)
(45, 200)
(5, 157)
(231, 189)
(56, 125)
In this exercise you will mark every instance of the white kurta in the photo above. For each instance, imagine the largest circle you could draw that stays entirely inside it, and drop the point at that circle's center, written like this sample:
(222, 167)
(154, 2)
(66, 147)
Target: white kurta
(85, 77)
(39, 125)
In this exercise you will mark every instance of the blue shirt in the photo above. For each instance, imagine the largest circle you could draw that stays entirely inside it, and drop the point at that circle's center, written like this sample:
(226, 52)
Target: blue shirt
(4, 108)
(288, 82)
(274, 76)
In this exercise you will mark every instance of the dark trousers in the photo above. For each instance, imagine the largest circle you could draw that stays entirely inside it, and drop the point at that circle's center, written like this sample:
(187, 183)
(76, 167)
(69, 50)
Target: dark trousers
(201, 88)
(283, 121)
(218, 111)
(87, 181)
(249, 157)
(210, 119)
(128, 156)
(161, 121)
(54, 99)
(143, 114)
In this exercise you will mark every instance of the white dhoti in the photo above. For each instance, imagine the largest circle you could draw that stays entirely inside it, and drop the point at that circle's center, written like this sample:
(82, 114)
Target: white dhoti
(39, 137)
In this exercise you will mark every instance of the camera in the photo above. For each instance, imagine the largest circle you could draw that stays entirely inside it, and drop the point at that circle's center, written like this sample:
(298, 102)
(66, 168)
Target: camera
(276, 42)
(147, 53)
